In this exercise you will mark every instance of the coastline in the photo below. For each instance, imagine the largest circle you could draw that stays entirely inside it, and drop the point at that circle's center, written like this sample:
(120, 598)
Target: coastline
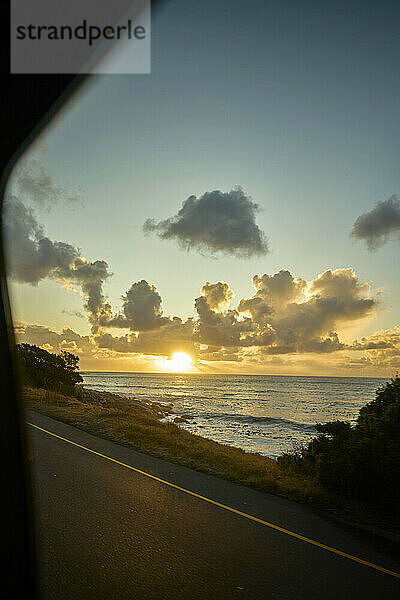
(143, 425)
(271, 415)
(140, 425)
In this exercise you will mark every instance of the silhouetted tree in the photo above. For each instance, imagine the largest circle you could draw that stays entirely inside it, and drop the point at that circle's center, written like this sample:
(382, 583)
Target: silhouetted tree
(43, 369)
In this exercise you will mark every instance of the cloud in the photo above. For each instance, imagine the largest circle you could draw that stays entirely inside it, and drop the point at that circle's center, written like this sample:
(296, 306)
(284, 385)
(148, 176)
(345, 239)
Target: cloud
(218, 295)
(303, 315)
(91, 277)
(273, 292)
(299, 318)
(141, 309)
(32, 257)
(151, 332)
(142, 306)
(380, 352)
(220, 329)
(375, 354)
(74, 313)
(217, 222)
(377, 225)
(67, 339)
(217, 354)
(174, 336)
(381, 340)
(33, 184)
(286, 315)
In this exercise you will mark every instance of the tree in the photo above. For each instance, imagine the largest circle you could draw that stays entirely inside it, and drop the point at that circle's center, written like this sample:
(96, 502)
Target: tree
(43, 369)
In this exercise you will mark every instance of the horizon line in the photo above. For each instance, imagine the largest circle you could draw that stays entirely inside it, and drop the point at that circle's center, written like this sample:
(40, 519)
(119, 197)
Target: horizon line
(237, 374)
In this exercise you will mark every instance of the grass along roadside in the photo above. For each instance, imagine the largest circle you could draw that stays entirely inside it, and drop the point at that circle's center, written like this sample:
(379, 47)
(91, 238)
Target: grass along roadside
(136, 424)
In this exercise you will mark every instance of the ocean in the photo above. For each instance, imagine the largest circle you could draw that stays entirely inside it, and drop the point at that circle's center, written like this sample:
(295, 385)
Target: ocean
(269, 414)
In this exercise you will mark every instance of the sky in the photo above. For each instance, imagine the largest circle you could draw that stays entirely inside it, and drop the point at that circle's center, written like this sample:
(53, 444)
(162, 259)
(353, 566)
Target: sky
(281, 123)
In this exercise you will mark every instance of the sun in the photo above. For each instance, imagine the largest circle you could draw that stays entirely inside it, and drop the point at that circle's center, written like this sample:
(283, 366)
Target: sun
(180, 362)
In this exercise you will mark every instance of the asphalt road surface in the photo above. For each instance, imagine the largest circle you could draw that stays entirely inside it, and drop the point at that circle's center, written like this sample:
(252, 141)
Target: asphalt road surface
(107, 531)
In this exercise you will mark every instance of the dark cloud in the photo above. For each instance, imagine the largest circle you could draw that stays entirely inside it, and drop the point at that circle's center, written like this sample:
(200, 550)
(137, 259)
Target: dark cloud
(141, 309)
(216, 222)
(32, 256)
(375, 227)
(91, 277)
(142, 306)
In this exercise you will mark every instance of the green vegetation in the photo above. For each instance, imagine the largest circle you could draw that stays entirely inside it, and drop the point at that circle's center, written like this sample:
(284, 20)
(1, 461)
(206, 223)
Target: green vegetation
(41, 369)
(359, 463)
(350, 470)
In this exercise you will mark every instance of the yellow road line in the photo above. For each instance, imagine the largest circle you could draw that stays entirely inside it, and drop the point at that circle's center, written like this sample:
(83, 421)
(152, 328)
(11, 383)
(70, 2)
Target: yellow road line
(225, 507)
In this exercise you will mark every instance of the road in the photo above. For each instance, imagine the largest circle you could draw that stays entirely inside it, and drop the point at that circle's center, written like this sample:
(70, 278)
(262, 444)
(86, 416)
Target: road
(107, 531)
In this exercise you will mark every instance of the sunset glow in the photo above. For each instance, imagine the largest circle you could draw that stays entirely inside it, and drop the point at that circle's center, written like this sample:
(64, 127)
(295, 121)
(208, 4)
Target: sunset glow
(225, 264)
(180, 362)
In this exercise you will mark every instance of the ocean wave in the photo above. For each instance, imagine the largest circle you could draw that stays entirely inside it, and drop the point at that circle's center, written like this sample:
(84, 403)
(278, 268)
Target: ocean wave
(252, 419)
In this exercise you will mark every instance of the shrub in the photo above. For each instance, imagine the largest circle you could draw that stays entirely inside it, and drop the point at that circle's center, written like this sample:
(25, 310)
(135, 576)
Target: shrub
(360, 462)
(41, 369)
